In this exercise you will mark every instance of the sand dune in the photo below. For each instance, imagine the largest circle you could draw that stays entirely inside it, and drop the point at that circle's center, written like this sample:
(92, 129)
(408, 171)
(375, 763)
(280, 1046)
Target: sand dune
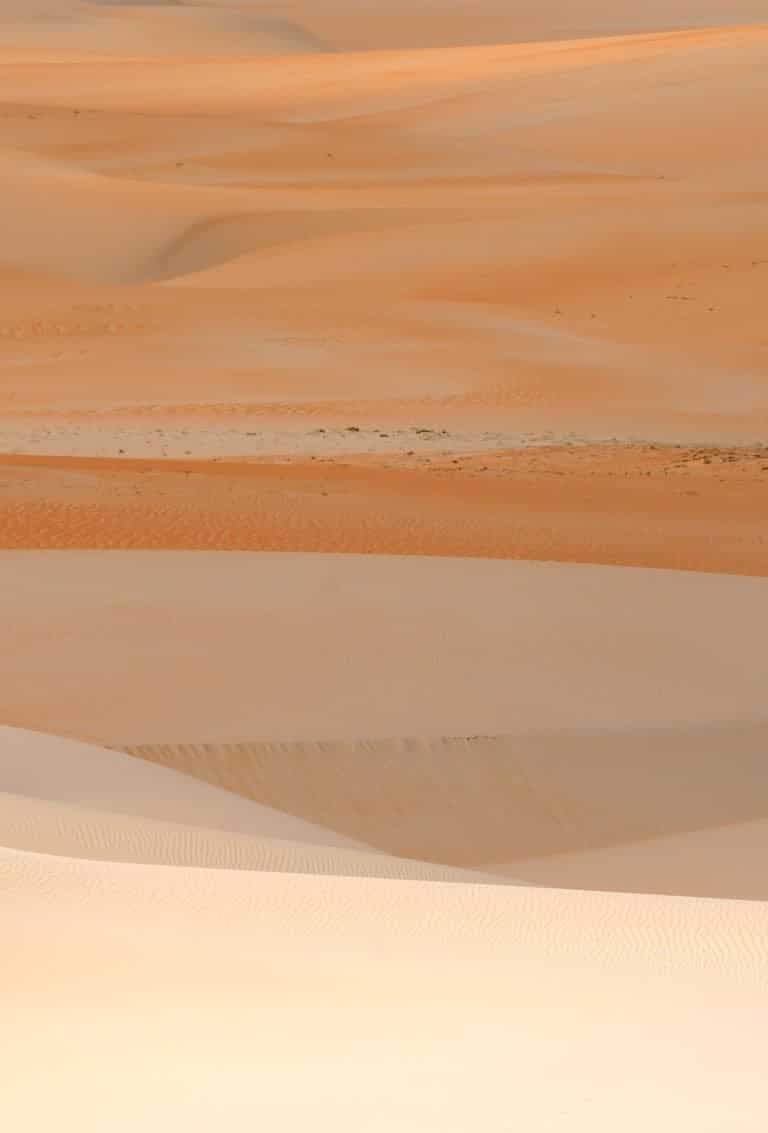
(66, 772)
(240, 999)
(721, 861)
(313, 810)
(416, 239)
(593, 708)
(131, 648)
(640, 810)
(60, 797)
(75, 832)
(149, 27)
(283, 26)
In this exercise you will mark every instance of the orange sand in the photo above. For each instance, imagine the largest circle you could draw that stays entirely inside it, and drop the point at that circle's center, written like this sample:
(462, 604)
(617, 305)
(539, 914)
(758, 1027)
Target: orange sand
(425, 841)
(681, 508)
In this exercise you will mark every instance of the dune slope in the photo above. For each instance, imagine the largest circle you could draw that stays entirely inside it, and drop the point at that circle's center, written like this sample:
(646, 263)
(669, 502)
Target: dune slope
(60, 797)
(315, 812)
(238, 999)
(473, 714)
(400, 247)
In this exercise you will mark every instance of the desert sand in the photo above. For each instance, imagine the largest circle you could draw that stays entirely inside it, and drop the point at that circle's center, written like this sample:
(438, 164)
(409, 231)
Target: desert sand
(383, 566)
(521, 719)
(421, 231)
(414, 929)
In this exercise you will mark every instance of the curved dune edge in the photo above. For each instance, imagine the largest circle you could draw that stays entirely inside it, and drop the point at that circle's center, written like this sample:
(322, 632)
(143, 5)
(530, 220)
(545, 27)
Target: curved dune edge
(667, 812)
(619, 706)
(678, 811)
(274, 997)
(720, 861)
(61, 830)
(60, 797)
(228, 27)
(54, 769)
(420, 239)
(369, 250)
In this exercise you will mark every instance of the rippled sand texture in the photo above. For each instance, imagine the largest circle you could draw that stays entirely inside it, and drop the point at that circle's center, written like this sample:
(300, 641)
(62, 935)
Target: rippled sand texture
(311, 885)
(316, 810)
(431, 236)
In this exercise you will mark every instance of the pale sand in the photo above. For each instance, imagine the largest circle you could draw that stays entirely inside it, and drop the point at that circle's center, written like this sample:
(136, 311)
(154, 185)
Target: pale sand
(447, 284)
(260, 992)
(131, 648)
(724, 861)
(152, 997)
(60, 771)
(661, 810)
(618, 705)
(74, 800)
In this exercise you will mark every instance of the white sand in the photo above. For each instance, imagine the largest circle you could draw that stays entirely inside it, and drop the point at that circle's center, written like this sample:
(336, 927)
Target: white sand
(75, 800)
(152, 997)
(368, 844)
(303, 981)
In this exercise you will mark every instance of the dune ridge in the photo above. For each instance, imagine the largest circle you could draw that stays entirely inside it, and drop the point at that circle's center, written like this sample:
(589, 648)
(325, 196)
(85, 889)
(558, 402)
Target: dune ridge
(461, 981)
(68, 799)
(561, 754)
(383, 566)
(506, 803)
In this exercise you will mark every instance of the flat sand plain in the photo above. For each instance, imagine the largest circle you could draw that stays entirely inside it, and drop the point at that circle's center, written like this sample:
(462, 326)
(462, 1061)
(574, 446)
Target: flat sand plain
(315, 809)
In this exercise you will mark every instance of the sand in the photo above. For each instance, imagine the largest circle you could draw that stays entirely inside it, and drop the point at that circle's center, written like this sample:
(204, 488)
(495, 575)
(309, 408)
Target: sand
(658, 506)
(215, 953)
(512, 716)
(383, 565)
(239, 999)
(59, 797)
(382, 251)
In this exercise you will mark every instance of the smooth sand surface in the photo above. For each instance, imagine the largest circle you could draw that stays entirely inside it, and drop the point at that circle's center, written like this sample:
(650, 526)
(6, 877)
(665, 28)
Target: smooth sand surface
(660, 810)
(74, 800)
(507, 712)
(61, 771)
(232, 999)
(718, 861)
(130, 648)
(237, 27)
(395, 834)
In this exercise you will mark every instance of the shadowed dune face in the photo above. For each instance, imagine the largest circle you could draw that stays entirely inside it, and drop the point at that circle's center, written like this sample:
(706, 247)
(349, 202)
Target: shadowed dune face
(295, 832)
(511, 801)
(627, 706)
(60, 797)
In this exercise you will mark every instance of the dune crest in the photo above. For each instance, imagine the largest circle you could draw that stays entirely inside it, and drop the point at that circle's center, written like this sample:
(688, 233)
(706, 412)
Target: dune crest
(383, 566)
